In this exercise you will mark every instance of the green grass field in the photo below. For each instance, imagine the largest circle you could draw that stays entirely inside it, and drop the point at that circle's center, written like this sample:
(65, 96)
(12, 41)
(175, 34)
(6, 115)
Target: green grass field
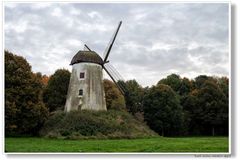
(161, 144)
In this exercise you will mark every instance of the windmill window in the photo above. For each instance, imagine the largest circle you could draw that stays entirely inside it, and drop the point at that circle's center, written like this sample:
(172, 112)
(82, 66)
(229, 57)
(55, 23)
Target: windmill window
(82, 75)
(80, 92)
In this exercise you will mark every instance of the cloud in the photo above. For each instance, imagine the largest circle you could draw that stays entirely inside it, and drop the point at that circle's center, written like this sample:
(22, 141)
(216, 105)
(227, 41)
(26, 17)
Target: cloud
(57, 12)
(155, 40)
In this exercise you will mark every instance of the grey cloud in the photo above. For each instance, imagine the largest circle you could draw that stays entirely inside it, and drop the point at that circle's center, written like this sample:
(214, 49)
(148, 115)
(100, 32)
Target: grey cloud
(154, 41)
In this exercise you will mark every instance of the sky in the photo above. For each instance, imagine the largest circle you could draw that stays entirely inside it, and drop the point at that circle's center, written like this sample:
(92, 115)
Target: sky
(154, 41)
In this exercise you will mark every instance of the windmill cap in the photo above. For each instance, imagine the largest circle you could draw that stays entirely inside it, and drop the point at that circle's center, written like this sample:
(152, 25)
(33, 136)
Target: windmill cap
(87, 56)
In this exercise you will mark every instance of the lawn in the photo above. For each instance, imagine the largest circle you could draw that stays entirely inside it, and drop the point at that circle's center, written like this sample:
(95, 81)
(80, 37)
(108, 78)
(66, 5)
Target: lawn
(160, 144)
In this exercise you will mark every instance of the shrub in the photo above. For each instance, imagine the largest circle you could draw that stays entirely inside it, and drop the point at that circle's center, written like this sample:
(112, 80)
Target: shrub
(94, 124)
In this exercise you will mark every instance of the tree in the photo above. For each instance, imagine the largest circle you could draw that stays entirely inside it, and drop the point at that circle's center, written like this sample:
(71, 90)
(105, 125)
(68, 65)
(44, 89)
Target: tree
(185, 87)
(200, 80)
(214, 105)
(223, 84)
(45, 80)
(162, 110)
(134, 96)
(114, 98)
(182, 86)
(207, 106)
(54, 95)
(173, 80)
(24, 110)
(192, 113)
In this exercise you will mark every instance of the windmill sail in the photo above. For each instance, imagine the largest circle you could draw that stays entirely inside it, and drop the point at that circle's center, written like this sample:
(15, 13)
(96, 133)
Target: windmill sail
(116, 77)
(86, 48)
(109, 47)
(111, 71)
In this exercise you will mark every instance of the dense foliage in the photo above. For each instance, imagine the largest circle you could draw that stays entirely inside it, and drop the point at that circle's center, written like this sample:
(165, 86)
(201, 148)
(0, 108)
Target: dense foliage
(162, 110)
(114, 98)
(55, 94)
(94, 124)
(207, 107)
(173, 80)
(204, 101)
(134, 96)
(174, 106)
(24, 110)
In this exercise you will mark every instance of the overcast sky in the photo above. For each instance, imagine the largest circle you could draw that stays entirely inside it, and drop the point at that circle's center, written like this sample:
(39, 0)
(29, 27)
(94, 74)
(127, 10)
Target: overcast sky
(155, 40)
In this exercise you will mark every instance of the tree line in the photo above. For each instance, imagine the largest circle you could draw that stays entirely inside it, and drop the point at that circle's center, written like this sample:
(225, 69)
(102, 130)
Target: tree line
(175, 106)
(180, 106)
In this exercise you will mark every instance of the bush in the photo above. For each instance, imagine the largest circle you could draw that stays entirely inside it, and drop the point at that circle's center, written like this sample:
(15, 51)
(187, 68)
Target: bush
(94, 124)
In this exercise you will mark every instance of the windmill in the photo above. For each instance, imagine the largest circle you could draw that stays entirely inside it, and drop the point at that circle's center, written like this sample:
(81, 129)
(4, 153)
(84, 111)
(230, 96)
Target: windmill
(86, 89)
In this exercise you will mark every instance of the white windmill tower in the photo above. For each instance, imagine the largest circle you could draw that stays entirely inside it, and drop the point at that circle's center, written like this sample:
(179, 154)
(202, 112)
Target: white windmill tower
(86, 89)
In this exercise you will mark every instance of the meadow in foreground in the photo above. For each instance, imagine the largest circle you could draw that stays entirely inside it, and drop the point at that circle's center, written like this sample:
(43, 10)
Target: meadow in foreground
(160, 144)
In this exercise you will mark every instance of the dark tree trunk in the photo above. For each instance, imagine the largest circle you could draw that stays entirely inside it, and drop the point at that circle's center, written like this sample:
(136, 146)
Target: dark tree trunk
(213, 131)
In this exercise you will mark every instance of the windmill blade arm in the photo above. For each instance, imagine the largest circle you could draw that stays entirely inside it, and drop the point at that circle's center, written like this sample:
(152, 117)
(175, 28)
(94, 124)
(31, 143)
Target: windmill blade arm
(117, 76)
(117, 84)
(109, 47)
(115, 71)
(86, 48)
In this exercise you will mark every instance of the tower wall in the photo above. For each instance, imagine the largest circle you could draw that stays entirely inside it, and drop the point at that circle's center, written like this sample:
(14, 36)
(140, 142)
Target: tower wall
(93, 97)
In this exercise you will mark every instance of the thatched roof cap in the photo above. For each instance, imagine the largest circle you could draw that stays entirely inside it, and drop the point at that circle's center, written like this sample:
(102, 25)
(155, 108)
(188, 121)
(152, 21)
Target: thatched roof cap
(87, 56)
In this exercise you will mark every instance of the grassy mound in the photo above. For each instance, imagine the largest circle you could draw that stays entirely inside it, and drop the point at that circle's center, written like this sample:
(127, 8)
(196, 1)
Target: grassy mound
(94, 124)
